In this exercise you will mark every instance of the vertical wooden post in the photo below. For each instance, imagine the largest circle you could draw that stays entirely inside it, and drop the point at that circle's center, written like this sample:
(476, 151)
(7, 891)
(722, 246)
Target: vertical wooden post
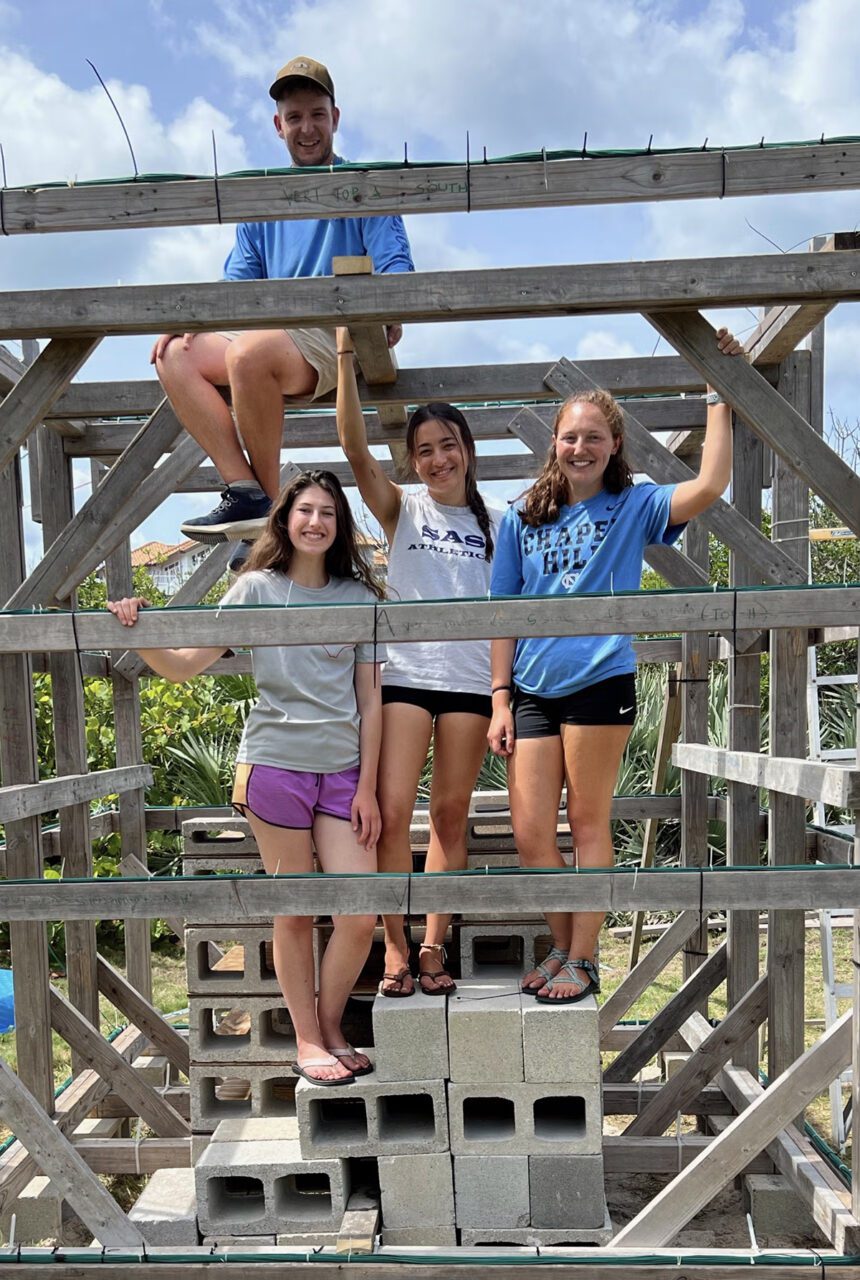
(855, 1047)
(70, 742)
(132, 804)
(694, 728)
(744, 734)
(787, 817)
(29, 352)
(19, 763)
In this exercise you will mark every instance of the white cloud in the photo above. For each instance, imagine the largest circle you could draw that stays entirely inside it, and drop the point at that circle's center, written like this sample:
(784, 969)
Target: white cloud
(600, 344)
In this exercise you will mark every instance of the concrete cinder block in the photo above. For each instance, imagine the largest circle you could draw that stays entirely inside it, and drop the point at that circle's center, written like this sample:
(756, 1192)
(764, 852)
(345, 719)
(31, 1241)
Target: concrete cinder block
(542, 1236)
(417, 1190)
(410, 1038)
(499, 949)
(166, 1211)
(258, 1129)
(775, 1209)
(244, 967)
(673, 1061)
(372, 1118)
(566, 1191)
(247, 1029)
(38, 1213)
(306, 1239)
(199, 835)
(485, 1031)
(491, 1191)
(525, 1119)
(225, 1092)
(153, 1068)
(251, 1188)
(561, 1044)
(238, 1244)
(416, 1237)
(199, 1143)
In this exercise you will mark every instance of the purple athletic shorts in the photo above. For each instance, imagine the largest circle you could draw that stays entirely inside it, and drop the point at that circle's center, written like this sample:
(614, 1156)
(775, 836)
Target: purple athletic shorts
(287, 798)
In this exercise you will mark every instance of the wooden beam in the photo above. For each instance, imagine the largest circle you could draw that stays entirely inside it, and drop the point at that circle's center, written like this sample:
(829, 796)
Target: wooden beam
(765, 411)
(40, 386)
(359, 1225)
(12, 370)
(698, 986)
(141, 1156)
(694, 728)
(654, 459)
(696, 1186)
(129, 1001)
(781, 329)
(646, 971)
(57, 1158)
(511, 466)
(414, 297)
(27, 799)
(119, 488)
(585, 179)
(112, 1066)
(701, 1067)
(809, 779)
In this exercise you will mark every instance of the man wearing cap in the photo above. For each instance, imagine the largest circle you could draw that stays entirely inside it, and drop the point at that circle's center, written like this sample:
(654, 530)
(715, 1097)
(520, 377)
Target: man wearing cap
(262, 366)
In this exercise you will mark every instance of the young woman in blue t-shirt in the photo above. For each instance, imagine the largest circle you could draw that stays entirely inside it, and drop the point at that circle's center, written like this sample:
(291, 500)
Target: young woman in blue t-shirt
(563, 707)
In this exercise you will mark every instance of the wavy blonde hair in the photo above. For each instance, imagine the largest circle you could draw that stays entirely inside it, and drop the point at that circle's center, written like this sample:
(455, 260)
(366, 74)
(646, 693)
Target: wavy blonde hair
(549, 493)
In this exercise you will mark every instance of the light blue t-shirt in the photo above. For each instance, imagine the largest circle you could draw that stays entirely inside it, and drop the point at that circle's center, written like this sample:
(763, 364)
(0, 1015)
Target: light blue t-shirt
(292, 250)
(594, 546)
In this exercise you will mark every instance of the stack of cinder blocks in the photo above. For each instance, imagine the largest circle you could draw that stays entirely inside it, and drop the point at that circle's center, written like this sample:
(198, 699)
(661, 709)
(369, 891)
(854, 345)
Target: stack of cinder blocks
(482, 1118)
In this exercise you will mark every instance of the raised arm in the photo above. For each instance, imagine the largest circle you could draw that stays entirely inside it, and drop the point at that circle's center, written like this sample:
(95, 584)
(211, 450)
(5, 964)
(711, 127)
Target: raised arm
(368, 697)
(381, 494)
(692, 497)
(174, 664)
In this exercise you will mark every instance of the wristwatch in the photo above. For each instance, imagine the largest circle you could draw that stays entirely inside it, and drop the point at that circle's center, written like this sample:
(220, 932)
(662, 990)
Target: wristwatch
(714, 397)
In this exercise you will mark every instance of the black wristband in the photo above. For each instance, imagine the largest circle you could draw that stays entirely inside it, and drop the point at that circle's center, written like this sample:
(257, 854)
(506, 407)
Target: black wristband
(500, 687)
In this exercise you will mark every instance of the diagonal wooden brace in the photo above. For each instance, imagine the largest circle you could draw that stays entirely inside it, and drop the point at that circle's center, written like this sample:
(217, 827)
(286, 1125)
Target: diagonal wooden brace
(38, 389)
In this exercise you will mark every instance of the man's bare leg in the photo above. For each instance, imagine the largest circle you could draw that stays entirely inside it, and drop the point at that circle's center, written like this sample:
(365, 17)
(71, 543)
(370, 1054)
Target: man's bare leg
(190, 375)
(263, 367)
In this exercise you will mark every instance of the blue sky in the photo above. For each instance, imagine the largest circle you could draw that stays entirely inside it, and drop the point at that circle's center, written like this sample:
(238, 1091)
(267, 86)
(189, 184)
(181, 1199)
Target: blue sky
(518, 75)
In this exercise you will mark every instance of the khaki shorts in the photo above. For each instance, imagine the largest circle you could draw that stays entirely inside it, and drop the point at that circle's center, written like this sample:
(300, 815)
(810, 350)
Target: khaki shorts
(318, 348)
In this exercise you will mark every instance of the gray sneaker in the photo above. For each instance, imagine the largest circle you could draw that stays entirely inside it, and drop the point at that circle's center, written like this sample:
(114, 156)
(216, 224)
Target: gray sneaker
(237, 516)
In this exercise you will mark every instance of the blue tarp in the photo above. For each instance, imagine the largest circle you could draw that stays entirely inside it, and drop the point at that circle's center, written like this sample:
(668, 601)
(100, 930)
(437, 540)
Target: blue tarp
(7, 1002)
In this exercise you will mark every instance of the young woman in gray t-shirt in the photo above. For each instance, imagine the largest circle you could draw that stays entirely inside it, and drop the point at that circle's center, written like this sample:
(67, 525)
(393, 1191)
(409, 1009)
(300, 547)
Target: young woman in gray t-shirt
(440, 546)
(307, 763)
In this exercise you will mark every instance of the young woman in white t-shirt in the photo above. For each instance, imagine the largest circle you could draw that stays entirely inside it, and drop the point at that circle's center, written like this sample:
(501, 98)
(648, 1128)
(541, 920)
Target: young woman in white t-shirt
(440, 546)
(307, 763)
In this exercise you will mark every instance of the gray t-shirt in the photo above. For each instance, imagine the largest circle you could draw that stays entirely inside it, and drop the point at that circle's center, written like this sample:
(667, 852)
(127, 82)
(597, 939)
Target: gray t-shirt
(306, 717)
(439, 553)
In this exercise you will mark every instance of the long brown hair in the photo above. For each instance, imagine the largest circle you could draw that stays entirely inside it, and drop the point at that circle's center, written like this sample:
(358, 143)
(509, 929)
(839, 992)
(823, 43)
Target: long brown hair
(550, 493)
(439, 411)
(344, 558)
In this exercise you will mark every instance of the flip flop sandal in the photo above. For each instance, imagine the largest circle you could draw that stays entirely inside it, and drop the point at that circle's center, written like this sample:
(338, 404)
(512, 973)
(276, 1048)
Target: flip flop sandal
(556, 953)
(348, 1052)
(389, 992)
(300, 1069)
(437, 974)
(570, 977)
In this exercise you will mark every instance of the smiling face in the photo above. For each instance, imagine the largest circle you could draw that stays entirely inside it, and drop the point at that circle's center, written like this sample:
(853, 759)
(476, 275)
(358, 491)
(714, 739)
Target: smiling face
(312, 521)
(584, 444)
(307, 120)
(440, 461)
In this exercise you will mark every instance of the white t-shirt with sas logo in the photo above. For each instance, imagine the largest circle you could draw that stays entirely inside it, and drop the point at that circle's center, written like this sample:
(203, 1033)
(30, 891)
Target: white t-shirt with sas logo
(439, 553)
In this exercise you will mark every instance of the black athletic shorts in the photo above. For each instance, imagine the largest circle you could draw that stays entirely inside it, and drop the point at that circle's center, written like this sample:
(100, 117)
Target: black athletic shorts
(439, 701)
(611, 701)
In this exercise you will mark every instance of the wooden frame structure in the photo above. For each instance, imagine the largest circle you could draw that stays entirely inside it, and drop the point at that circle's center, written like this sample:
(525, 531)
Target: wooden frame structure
(127, 428)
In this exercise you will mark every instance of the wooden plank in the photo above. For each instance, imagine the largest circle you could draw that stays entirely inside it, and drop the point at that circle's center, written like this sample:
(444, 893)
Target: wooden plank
(360, 1224)
(129, 750)
(767, 413)
(855, 956)
(12, 369)
(19, 764)
(44, 585)
(649, 456)
(670, 727)
(782, 329)
(636, 612)
(744, 734)
(694, 728)
(441, 296)
(137, 1156)
(213, 897)
(112, 1066)
(139, 1011)
(27, 402)
(527, 184)
(674, 1013)
(704, 1063)
(27, 799)
(57, 1158)
(811, 1177)
(193, 589)
(646, 971)
(511, 466)
(809, 779)
(623, 1153)
(696, 1185)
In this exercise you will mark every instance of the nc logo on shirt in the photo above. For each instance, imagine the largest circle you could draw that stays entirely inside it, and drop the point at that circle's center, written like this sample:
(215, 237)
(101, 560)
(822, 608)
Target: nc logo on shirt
(569, 581)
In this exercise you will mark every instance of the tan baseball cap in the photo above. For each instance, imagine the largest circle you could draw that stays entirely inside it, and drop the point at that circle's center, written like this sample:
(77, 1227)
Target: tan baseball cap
(302, 68)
